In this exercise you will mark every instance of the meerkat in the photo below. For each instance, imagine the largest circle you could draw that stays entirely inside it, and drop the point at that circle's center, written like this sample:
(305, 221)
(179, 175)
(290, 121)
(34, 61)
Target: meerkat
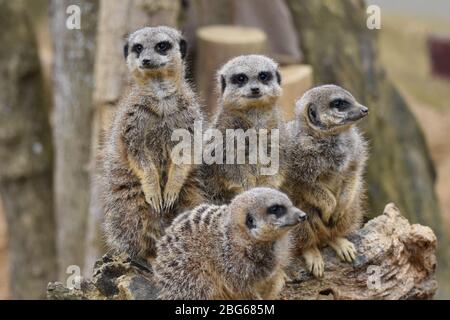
(326, 156)
(250, 87)
(236, 251)
(144, 188)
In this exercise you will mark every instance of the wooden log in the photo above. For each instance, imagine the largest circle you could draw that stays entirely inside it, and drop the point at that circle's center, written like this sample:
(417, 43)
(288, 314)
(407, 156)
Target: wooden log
(215, 46)
(296, 79)
(396, 260)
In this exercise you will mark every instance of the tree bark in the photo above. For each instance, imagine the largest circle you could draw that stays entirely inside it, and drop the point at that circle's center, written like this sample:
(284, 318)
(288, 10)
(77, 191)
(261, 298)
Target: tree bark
(117, 19)
(25, 157)
(74, 54)
(342, 50)
(395, 260)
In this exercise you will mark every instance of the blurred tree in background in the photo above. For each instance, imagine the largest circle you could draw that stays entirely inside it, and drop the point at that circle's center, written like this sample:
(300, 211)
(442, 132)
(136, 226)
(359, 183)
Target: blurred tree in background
(26, 151)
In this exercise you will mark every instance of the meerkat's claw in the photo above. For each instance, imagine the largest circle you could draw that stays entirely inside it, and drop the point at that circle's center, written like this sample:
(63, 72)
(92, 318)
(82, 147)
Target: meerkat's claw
(155, 201)
(314, 262)
(345, 250)
(170, 197)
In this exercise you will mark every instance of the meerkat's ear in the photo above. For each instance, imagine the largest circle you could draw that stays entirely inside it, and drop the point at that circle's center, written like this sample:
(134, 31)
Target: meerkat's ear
(223, 82)
(312, 114)
(126, 49)
(278, 77)
(183, 48)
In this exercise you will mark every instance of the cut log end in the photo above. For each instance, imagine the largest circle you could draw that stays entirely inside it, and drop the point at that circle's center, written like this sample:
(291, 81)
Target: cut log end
(396, 260)
(296, 80)
(231, 35)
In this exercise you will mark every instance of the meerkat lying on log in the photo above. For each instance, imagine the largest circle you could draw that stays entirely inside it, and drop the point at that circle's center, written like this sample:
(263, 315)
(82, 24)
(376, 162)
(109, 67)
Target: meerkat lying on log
(235, 251)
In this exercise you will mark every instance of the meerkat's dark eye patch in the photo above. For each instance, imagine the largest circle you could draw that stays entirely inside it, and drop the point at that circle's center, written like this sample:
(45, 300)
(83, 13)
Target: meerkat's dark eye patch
(250, 222)
(162, 47)
(278, 210)
(137, 48)
(239, 79)
(265, 77)
(339, 104)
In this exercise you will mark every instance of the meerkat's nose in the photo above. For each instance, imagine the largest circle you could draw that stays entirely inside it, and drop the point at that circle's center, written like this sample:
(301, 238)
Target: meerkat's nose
(364, 110)
(301, 215)
(255, 90)
(146, 62)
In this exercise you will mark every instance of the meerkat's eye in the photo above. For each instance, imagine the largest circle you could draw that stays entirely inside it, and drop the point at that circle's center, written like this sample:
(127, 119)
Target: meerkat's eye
(240, 79)
(339, 104)
(250, 222)
(138, 48)
(277, 210)
(265, 77)
(162, 47)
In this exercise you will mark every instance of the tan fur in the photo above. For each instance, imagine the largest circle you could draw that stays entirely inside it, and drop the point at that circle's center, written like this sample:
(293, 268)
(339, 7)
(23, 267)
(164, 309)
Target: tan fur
(217, 252)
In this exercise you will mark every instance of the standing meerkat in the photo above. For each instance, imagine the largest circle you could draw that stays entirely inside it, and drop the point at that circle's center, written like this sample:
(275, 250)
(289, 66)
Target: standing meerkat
(143, 186)
(228, 252)
(249, 91)
(326, 158)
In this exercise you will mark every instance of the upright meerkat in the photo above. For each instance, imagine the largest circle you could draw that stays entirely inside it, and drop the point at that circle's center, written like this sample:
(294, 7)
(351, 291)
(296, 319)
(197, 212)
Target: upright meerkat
(326, 158)
(144, 188)
(249, 91)
(228, 252)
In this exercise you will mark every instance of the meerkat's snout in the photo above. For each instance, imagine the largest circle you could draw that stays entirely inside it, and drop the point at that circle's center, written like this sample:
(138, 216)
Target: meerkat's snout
(294, 217)
(355, 113)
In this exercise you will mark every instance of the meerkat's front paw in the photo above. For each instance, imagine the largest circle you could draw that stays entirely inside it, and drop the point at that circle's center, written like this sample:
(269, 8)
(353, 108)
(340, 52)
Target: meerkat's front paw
(170, 197)
(314, 262)
(155, 200)
(344, 249)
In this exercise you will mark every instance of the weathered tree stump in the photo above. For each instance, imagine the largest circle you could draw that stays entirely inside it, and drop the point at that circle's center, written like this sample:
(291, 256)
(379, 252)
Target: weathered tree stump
(396, 260)
(297, 79)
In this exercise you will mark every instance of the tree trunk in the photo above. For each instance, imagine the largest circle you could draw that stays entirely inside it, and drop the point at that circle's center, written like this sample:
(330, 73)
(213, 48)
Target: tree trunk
(395, 260)
(342, 50)
(117, 19)
(74, 54)
(25, 157)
